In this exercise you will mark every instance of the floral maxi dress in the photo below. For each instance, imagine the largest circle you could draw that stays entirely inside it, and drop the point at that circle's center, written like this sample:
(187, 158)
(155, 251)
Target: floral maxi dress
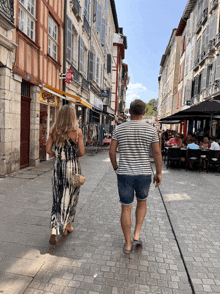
(65, 196)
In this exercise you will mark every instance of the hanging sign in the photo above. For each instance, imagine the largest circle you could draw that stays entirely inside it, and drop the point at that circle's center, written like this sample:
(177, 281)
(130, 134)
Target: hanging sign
(104, 93)
(48, 98)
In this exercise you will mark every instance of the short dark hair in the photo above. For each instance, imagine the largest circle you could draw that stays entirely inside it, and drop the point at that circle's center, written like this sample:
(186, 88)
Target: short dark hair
(212, 138)
(137, 107)
(193, 140)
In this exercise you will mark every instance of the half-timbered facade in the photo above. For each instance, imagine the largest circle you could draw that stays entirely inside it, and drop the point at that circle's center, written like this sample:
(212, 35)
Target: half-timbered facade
(39, 59)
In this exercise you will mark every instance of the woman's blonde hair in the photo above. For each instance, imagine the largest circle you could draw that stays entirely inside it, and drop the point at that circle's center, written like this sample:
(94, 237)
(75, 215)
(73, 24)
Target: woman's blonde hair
(65, 122)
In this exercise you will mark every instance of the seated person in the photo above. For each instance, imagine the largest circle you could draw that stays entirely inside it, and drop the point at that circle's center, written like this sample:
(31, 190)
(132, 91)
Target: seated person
(192, 144)
(187, 140)
(214, 145)
(205, 143)
(175, 141)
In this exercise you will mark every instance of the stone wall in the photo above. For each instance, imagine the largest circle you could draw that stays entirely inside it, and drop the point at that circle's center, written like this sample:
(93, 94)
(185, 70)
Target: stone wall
(10, 117)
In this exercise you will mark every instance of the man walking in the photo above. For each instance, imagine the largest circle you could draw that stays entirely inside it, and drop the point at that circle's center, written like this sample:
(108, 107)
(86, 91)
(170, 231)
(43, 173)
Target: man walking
(134, 172)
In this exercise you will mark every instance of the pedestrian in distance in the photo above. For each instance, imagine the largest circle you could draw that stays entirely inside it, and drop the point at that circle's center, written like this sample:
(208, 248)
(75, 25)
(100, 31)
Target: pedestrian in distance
(135, 138)
(65, 142)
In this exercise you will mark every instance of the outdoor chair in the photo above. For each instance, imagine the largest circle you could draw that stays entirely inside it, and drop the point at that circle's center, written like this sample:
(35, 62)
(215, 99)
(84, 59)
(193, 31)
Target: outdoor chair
(173, 155)
(193, 156)
(213, 159)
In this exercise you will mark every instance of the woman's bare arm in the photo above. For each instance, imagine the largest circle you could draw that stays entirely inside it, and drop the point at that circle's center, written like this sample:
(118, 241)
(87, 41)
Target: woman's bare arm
(80, 145)
(49, 146)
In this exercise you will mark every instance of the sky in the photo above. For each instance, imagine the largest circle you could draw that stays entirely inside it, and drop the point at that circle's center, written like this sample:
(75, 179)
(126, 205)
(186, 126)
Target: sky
(148, 25)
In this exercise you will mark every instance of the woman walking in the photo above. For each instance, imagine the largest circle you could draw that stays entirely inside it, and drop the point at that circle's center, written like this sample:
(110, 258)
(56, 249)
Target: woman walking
(65, 137)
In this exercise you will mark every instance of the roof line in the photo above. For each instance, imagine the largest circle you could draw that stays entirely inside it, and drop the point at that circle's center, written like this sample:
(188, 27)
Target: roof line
(114, 12)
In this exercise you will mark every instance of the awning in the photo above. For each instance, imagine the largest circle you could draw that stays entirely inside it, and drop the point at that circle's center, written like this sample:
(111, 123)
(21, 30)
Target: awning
(74, 99)
(170, 122)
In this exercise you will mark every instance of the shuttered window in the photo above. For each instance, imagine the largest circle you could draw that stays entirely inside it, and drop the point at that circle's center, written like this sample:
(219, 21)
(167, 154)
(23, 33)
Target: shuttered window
(213, 27)
(203, 42)
(81, 54)
(103, 31)
(94, 68)
(204, 77)
(212, 79)
(192, 57)
(86, 9)
(196, 85)
(97, 69)
(69, 40)
(187, 64)
(99, 18)
(94, 10)
(209, 70)
(217, 75)
(198, 44)
(106, 7)
(91, 66)
(109, 63)
(207, 34)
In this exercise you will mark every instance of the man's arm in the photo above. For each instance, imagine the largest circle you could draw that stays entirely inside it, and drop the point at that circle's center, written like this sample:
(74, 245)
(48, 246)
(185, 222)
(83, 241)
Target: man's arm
(112, 153)
(158, 163)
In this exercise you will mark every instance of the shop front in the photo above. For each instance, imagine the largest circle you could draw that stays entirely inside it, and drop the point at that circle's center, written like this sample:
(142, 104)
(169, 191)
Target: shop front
(48, 113)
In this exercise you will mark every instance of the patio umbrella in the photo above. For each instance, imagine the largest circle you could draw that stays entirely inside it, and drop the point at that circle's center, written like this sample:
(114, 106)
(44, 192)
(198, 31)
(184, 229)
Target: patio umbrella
(206, 109)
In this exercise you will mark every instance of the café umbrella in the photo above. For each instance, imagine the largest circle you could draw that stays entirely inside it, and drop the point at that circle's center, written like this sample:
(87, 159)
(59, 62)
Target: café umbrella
(207, 109)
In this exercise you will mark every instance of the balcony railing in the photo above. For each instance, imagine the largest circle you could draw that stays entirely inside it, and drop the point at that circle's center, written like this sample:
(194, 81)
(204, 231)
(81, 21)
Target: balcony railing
(87, 26)
(7, 9)
(76, 8)
(85, 84)
(213, 5)
(76, 74)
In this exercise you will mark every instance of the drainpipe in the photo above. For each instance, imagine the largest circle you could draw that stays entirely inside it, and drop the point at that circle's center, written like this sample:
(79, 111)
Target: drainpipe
(64, 52)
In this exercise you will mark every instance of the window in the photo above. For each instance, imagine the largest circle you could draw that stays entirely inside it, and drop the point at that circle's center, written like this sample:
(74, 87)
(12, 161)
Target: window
(52, 38)
(26, 17)
(97, 70)
(85, 62)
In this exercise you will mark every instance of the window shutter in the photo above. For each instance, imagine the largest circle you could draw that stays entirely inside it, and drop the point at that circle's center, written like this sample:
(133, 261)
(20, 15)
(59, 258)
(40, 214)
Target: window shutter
(109, 63)
(198, 47)
(201, 81)
(208, 75)
(215, 26)
(192, 57)
(94, 67)
(203, 42)
(207, 35)
(97, 70)
(196, 85)
(101, 77)
(99, 18)
(106, 7)
(94, 10)
(86, 9)
(81, 54)
(213, 72)
(194, 22)
(91, 66)
(69, 39)
(217, 75)
(204, 78)
(103, 31)
(211, 27)
(187, 64)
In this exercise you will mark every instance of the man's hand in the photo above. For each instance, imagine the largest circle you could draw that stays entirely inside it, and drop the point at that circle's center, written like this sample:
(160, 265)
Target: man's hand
(157, 179)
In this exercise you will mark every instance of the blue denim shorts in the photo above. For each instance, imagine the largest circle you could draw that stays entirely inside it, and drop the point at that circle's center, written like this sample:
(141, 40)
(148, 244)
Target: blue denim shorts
(127, 185)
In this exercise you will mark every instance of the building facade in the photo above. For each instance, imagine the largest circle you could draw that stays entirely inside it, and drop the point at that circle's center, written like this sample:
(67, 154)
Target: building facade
(52, 53)
(199, 67)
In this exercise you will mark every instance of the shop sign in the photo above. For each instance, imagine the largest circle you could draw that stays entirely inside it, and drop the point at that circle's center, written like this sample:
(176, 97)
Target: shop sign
(104, 93)
(48, 98)
(97, 103)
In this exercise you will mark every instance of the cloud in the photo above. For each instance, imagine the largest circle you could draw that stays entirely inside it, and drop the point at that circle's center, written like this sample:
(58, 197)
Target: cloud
(134, 91)
(138, 91)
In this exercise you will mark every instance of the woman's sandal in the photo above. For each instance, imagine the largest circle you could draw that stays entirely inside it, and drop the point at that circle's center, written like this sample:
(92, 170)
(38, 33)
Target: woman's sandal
(66, 231)
(53, 239)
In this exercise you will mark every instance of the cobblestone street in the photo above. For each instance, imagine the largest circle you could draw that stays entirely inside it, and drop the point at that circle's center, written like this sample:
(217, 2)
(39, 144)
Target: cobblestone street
(181, 236)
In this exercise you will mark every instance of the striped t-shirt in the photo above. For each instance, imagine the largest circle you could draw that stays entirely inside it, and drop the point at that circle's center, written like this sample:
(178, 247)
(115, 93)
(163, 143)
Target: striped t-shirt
(135, 139)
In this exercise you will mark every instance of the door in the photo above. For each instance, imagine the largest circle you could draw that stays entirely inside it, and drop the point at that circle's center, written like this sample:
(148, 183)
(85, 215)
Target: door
(25, 132)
